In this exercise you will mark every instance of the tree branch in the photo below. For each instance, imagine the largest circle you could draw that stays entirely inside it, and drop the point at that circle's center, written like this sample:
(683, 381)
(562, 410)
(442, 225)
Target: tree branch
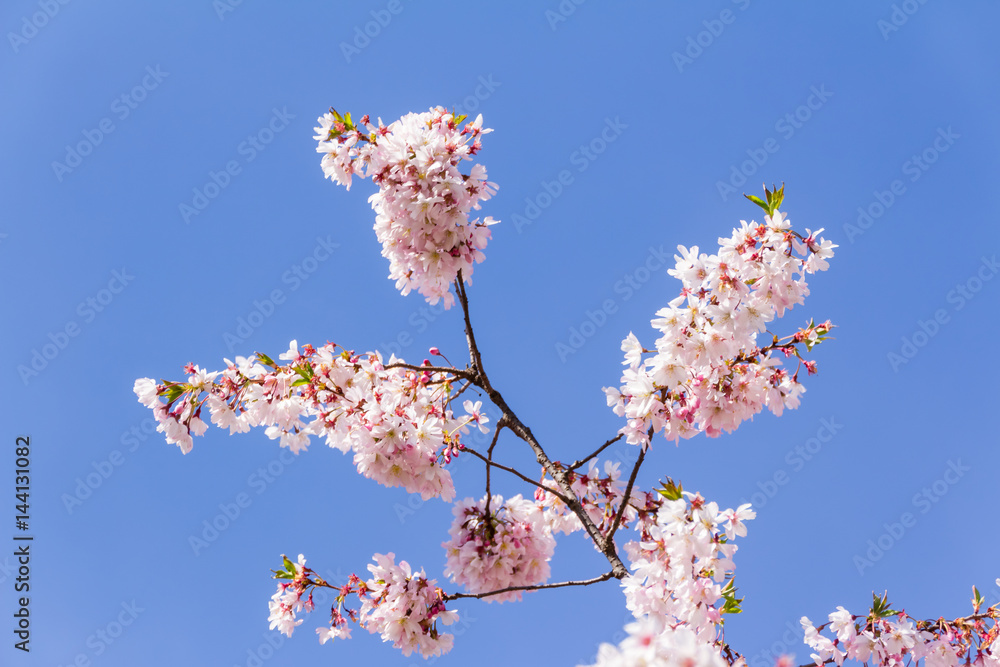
(501, 424)
(562, 584)
(457, 372)
(494, 464)
(600, 449)
(558, 473)
(628, 491)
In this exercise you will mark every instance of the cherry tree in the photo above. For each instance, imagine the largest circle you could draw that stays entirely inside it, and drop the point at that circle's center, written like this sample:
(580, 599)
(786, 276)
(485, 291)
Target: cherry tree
(710, 363)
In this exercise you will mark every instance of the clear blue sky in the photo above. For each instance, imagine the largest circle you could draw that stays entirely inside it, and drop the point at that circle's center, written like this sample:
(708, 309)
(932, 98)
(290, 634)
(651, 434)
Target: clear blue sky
(831, 98)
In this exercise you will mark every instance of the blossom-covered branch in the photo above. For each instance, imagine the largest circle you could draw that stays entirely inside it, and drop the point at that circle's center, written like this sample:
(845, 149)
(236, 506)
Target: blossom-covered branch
(888, 637)
(397, 421)
(714, 364)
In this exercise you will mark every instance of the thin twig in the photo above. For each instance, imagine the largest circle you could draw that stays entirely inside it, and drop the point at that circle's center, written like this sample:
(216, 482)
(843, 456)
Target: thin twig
(599, 450)
(501, 424)
(628, 490)
(558, 473)
(562, 584)
(494, 464)
(457, 372)
(475, 359)
(468, 383)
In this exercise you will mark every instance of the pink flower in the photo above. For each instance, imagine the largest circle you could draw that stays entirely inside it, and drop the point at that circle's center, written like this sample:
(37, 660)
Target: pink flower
(424, 200)
(511, 546)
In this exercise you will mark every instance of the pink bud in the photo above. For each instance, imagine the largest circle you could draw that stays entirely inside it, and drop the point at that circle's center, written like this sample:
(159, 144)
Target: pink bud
(435, 352)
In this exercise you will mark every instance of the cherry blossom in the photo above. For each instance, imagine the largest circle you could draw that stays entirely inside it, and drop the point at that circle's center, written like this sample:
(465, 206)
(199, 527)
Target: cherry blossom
(498, 545)
(707, 371)
(400, 605)
(683, 564)
(395, 419)
(889, 638)
(648, 643)
(424, 200)
(713, 365)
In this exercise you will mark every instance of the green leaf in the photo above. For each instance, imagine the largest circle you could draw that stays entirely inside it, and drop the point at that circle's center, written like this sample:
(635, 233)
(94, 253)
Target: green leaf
(174, 391)
(732, 604)
(266, 359)
(774, 197)
(300, 382)
(671, 490)
(880, 606)
(757, 200)
(779, 196)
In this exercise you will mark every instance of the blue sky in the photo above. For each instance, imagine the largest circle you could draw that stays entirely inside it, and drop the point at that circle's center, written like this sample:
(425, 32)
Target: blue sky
(879, 117)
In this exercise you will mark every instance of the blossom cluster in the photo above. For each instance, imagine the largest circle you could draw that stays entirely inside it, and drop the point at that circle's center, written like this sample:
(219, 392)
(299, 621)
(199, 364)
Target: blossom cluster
(400, 605)
(498, 545)
(599, 495)
(648, 643)
(889, 638)
(396, 420)
(707, 372)
(682, 565)
(423, 203)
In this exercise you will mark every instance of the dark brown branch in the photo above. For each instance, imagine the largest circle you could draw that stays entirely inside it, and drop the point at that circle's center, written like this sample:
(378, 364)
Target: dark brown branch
(527, 479)
(628, 490)
(457, 372)
(600, 449)
(468, 383)
(558, 473)
(489, 461)
(562, 584)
